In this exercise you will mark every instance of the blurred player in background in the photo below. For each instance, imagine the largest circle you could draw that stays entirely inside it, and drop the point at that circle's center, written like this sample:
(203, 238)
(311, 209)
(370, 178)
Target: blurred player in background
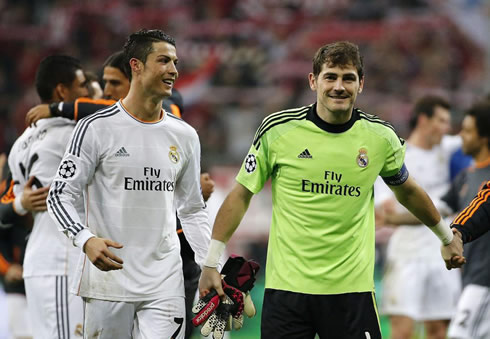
(116, 81)
(50, 258)
(474, 220)
(413, 256)
(121, 148)
(14, 230)
(93, 86)
(323, 160)
(472, 319)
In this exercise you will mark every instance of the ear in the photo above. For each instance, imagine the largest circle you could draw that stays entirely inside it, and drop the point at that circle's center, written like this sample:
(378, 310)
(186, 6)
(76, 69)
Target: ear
(136, 65)
(59, 92)
(312, 81)
(361, 85)
(422, 119)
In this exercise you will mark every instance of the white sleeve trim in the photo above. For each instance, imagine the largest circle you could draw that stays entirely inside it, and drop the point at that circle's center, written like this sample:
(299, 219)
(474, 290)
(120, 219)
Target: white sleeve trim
(82, 237)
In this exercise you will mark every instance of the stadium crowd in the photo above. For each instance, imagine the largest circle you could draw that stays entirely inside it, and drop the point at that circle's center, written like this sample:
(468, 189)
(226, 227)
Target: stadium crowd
(242, 60)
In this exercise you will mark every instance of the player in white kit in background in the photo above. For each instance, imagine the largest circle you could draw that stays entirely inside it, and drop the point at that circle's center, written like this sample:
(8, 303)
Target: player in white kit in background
(50, 259)
(416, 284)
(133, 164)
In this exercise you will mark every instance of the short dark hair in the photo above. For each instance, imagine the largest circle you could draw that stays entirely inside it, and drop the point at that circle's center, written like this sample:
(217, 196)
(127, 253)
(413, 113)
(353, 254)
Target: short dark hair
(54, 70)
(340, 53)
(481, 112)
(426, 106)
(117, 60)
(140, 44)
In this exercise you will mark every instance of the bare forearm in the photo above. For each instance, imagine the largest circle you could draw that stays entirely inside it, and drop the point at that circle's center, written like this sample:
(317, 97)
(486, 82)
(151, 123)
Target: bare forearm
(403, 218)
(414, 198)
(231, 213)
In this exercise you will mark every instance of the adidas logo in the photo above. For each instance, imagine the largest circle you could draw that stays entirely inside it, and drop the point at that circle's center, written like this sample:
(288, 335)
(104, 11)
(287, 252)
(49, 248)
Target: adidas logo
(122, 153)
(305, 154)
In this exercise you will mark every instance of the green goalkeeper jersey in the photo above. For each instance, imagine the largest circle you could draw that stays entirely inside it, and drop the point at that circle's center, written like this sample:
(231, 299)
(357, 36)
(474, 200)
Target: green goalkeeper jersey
(322, 231)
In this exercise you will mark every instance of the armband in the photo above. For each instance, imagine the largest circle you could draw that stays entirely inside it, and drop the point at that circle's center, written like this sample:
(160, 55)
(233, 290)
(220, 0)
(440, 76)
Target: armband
(443, 232)
(397, 179)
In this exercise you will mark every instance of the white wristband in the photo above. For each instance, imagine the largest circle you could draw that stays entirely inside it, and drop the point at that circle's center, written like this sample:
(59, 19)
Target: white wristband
(443, 232)
(215, 251)
(17, 205)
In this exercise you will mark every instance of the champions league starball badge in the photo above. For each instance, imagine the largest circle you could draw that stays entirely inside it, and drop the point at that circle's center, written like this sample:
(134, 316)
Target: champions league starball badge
(67, 169)
(362, 158)
(250, 163)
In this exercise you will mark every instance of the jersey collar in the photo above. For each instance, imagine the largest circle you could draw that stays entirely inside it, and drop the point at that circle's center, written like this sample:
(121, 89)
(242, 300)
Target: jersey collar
(313, 117)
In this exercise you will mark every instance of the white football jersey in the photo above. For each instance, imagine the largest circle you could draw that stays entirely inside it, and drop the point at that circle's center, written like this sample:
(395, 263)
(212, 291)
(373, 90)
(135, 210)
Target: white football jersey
(430, 169)
(133, 176)
(38, 152)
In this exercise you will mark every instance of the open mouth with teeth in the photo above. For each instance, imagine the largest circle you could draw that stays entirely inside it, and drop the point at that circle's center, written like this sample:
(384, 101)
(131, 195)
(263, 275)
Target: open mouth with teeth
(168, 82)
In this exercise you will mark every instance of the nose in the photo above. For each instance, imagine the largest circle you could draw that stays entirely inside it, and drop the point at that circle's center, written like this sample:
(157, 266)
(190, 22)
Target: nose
(173, 70)
(107, 92)
(339, 84)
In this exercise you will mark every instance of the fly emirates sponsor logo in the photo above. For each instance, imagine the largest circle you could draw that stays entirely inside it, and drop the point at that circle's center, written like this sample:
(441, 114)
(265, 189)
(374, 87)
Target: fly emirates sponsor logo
(150, 182)
(331, 186)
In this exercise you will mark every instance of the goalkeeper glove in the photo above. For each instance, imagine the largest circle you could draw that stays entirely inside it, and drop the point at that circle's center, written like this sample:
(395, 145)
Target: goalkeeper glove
(238, 277)
(240, 273)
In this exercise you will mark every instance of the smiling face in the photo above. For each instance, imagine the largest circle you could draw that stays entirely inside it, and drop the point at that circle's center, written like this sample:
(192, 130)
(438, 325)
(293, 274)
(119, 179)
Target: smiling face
(158, 74)
(336, 88)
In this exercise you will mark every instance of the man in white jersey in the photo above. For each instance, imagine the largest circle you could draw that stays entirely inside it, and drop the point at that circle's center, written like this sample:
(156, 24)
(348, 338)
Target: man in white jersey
(133, 164)
(50, 259)
(413, 256)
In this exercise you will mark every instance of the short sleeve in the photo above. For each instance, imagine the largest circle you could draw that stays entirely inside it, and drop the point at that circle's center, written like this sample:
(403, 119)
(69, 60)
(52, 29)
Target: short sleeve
(257, 166)
(395, 155)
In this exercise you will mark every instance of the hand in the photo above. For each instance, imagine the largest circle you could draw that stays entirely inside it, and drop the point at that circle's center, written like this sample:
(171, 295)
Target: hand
(34, 200)
(453, 252)
(207, 186)
(97, 250)
(36, 113)
(236, 280)
(210, 280)
(14, 274)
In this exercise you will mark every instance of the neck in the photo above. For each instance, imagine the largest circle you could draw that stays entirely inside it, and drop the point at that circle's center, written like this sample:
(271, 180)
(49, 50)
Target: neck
(482, 156)
(143, 107)
(334, 118)
(419, 140)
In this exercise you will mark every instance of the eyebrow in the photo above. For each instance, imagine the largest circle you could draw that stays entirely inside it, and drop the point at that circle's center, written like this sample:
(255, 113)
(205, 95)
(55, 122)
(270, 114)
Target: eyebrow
(342, 75)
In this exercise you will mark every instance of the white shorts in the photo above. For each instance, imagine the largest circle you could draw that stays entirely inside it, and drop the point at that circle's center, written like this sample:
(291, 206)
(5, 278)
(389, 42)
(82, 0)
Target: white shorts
(18, 319)
(472, 320)
(162, 318)
(420, 290)
(54, 312)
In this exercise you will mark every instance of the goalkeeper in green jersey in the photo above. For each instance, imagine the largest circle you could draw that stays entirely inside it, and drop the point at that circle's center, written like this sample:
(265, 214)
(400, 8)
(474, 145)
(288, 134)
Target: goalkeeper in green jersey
(322, 160)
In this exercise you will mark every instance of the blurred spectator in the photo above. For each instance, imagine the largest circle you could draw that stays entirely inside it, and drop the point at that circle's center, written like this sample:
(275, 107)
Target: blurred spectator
(263, 47)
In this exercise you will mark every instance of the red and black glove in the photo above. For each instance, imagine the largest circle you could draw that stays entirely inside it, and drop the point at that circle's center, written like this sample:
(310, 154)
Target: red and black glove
(238, 276)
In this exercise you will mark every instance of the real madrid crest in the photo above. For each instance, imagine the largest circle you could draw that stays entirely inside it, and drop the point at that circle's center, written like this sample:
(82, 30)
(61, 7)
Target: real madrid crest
(173, 155)
(362, 158)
